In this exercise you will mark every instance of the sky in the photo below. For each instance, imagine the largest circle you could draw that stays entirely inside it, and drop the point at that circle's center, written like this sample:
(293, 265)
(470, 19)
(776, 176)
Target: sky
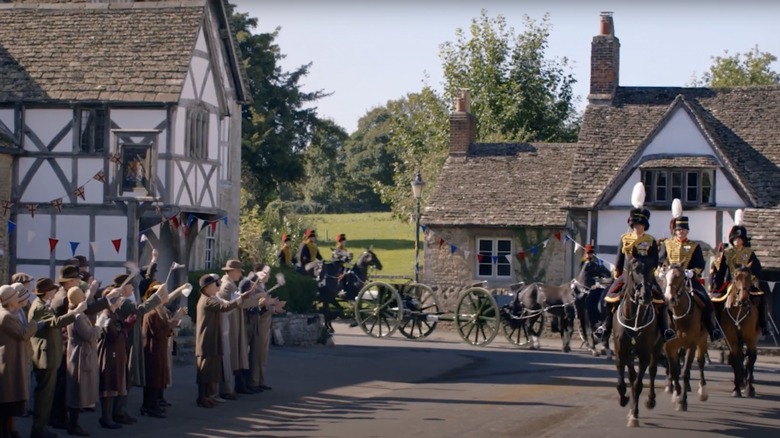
(369, 52)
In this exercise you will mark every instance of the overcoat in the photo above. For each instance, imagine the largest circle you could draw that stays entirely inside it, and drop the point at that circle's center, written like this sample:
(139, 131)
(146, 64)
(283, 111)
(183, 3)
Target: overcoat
(157, 329)
(47, 341)
(208, 337)
(82, 363)
(112, 354)
(134, 314)
(14, 358)
(235, 328)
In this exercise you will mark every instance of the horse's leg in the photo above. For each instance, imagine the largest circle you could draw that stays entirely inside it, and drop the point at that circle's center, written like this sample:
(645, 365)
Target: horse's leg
(567, 327)
(735, 360)
(751, 363)
(689, 354)
(701, 358)
(673, 370)
(621, 386)
(635, 379)
(652, 371)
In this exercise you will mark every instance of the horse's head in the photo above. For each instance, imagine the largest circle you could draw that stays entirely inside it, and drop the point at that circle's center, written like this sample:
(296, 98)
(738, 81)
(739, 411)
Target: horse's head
(675, 283)
(743, 281)
(639, 279)
(368, 258)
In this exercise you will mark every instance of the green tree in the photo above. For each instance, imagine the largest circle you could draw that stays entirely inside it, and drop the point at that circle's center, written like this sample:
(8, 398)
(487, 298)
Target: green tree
(278, 126)
(324, 185)
(518, 94)
(751, 68)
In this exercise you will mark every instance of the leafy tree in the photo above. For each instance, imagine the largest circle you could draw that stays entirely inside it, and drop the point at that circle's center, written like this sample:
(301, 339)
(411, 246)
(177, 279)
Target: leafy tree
(324, 185)
(278, 126)
(751, 68)
(517, 93)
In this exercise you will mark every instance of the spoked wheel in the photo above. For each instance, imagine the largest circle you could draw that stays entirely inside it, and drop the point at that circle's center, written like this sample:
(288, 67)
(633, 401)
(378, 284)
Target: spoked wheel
(419, 302)
(515, 332)
(378, 309)
(534, 324)
(477, 318)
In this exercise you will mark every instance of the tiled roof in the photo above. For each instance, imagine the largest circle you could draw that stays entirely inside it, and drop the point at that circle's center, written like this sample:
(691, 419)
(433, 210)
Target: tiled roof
(743, 124)
(503, 185)
(125, 52)
(764, 235)
(683, 161)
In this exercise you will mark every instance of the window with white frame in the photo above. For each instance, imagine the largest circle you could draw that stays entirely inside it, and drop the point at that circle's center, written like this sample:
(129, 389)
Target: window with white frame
(494, 258)
(691, 186)
(211, 247)
(197, 133)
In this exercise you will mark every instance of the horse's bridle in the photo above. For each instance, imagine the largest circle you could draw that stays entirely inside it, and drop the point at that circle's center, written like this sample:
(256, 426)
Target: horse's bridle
(637, 285)
(682, 289)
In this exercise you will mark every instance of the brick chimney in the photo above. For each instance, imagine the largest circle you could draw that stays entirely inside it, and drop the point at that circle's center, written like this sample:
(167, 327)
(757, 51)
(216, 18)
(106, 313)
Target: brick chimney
(604, 63)
(463, 125)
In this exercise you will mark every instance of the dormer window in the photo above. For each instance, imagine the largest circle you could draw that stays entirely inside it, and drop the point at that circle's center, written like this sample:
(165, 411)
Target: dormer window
(691, 186)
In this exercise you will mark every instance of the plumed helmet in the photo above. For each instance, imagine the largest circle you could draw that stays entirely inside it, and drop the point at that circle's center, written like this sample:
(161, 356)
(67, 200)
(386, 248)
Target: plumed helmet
(679, 222)
(738, 231)
(639, 214)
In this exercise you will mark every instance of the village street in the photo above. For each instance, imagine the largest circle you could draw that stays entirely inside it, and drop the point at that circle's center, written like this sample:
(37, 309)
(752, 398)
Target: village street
(364, 387)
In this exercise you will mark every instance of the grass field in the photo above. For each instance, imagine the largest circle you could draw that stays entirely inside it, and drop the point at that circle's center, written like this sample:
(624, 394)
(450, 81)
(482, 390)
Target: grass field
(391, 239)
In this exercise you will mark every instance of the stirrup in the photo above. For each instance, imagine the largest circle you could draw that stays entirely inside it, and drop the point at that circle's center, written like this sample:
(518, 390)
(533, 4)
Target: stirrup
(716, 335)
(669, 334)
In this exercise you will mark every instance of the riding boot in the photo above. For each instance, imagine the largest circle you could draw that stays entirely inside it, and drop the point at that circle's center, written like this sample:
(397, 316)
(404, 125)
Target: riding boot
(605, 330)
(760, 302)
(663, 322)
(708, 312)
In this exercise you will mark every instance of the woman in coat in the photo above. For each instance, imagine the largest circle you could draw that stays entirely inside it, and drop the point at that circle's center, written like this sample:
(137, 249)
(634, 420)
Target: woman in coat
(14, 361)
(81, 380)
(112, 359)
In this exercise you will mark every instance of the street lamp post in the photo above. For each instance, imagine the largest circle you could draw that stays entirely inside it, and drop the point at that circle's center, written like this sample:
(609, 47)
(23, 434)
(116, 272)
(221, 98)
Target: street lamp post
(417, 189)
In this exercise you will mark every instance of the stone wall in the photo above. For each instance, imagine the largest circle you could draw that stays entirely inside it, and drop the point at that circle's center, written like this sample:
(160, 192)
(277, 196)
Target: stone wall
(447, 270)
(297, 329)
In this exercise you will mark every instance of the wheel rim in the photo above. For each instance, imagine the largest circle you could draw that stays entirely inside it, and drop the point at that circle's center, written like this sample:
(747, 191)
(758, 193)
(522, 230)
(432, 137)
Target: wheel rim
(378, 309)
(515, 333)
(419, 301)
(477, 318)
(535, 324)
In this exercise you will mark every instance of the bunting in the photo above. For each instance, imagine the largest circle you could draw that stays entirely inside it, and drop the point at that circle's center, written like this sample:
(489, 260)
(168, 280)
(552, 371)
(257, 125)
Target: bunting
(117, 244)
(31, 208)
(52, 244)
(116, 158)
(57, 203)
(100, 177)
(11, 227)
(7, 206)
(73, 246)
(79, 192)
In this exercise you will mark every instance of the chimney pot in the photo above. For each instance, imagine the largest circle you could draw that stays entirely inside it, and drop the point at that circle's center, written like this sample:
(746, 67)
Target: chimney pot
(607, 24)
(463, 103)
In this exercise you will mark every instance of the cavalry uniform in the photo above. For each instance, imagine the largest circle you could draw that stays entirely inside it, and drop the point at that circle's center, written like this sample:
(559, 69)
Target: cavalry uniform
(734, 258)
(285, 256)
(641, 245)
(308, 252)
(689, 256)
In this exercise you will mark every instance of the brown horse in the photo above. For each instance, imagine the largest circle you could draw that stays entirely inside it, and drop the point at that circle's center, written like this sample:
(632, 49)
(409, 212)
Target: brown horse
(636, 335)
(739, 319)
(691, 336)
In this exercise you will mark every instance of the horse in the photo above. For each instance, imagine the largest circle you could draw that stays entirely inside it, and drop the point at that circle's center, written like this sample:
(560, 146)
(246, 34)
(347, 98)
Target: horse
(739, 320)
(337, 283)
(635, 335)
(688, 323)
(558, 301)
(589, 291)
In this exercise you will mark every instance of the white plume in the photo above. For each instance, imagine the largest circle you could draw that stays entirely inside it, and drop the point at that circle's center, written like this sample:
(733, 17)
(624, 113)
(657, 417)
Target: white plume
(638, 195)
(677, 210)
(738, 217)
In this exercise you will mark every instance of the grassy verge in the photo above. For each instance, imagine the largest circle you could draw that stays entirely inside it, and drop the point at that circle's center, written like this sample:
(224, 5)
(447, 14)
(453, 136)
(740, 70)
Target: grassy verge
(391, 239)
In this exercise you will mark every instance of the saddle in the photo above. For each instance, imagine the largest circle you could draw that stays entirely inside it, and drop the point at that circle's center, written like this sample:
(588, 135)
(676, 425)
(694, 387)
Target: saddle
(614, 296)
(730, 296)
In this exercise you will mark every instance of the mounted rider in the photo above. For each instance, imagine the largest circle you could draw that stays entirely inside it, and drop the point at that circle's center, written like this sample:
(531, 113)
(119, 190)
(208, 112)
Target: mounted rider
(597, 269)
(285, 256)
(646, 246)
(741, 255)
(688, 254)
(308, 253)
(340, 252)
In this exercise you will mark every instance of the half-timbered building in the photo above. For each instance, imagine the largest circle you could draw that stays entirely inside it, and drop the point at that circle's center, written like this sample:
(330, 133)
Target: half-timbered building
(126, 117)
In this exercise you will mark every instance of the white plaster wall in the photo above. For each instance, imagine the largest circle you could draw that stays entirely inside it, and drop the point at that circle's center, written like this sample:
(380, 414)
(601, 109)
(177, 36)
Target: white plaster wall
(200, 44)
(142, 119)
(209, 91)
(93, 189)
(108, 228)
(178, 179)
(208, 200)
(36, 271)
(179, 123)
(46, 123)
(725, 194)
(198, 69)
(44, 187)
(7, 118)
(679, 136)
(623, 196)
(189, 90)
(105, 275)
(71, 228)
(32, 236)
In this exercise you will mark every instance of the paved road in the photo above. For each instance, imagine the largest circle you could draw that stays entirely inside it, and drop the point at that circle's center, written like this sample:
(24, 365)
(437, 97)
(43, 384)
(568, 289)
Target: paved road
(365, 387)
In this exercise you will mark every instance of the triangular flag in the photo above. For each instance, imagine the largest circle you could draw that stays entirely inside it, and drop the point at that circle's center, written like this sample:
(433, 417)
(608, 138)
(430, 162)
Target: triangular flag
(116, 158)
(423, 228)
(94, 246)
(57, 203)
(577, 246)
(521, 255)
(117, 243)
(31, 208)
(213, 226)
(52, 244)
(480, 257)
(544, 244)
(30, 236)
(156, 230)
(11, 227)
(558, 235)
(100, 176)
(225, 220)
(534, 250)
(466, 253)
(495, 259)
(453, 248)
(441, 242)
(80, 193)
(174, 222)
(73, 246)
(771, 285)
(7, 206)
(566, 238)
(190, 219)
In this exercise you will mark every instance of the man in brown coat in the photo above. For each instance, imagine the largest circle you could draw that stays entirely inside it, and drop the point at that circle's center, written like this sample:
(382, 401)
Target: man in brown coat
(234, 340)
(208, 337)
(47, 352)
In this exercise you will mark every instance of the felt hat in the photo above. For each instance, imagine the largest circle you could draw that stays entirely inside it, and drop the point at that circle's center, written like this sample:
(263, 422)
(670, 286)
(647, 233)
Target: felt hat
(21, 277)
(22, 292)
(207, 280)
(232, 265)
(43, 285)
(118, 280)
(7, 294)
(68, 273)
